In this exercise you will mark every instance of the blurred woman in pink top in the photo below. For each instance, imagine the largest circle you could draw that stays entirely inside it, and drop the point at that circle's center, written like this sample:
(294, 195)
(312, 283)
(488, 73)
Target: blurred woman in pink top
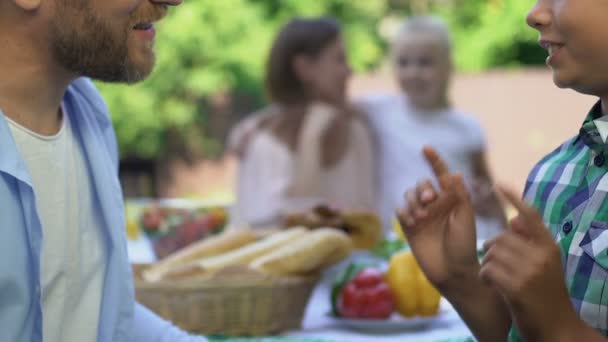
(309, 146)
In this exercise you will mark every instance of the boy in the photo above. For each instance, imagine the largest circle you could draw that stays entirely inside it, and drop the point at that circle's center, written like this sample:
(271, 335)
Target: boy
(520, 282)
(422, 115)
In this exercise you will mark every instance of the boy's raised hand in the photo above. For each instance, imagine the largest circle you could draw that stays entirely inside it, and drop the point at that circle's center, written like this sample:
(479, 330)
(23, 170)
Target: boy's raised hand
(440, 226)
(524, 265)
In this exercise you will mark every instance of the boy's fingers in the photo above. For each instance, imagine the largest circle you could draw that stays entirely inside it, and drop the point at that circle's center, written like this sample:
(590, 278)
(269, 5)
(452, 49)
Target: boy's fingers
(405, 219)
(498, 276)
(437, 164)
(411, 200)
(457, 184)
(425, 192)
(518, 225)
(529, 221)
(522, 207)
(488, 244)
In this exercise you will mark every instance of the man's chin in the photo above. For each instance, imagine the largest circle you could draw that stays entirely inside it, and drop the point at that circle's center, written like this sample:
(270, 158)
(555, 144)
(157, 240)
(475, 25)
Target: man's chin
(138, 75)
(131, 74)
(139, 70)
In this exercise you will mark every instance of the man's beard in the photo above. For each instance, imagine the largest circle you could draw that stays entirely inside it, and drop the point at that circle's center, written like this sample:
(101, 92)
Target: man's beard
(86, 46)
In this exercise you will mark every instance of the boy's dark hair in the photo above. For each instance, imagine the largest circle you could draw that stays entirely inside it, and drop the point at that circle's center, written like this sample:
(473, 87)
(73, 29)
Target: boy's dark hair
(299, 37)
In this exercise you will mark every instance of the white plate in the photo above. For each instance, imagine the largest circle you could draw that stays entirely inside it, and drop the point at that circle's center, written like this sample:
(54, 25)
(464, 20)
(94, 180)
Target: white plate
(396, 323)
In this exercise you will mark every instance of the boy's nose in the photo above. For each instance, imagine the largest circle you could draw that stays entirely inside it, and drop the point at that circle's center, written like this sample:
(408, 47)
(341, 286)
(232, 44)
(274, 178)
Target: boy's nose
(540, 15)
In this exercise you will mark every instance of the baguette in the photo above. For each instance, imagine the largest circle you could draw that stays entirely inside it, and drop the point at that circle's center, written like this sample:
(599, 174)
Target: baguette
(241, 256)
(215, 245)
(318, 249)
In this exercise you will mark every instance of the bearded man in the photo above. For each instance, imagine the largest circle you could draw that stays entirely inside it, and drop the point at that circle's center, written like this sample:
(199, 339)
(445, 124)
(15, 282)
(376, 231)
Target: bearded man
(64, 270)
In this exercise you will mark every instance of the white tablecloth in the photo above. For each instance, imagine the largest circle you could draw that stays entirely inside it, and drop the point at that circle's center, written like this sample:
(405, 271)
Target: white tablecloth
(447, 325)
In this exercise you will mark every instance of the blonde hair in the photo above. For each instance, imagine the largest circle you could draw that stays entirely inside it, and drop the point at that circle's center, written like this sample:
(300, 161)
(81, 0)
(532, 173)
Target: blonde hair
(427, 24)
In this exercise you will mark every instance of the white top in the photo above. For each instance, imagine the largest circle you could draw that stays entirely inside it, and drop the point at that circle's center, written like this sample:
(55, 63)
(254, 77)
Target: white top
(72, 265)
(402, 132)
(602, 126)
(272, 180)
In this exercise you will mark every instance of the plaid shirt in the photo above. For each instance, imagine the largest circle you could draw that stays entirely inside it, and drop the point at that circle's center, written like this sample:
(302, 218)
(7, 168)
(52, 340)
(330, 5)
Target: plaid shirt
(569, 187)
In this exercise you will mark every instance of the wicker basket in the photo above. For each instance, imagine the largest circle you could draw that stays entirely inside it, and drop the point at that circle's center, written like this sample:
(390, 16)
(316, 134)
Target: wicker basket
(236, 302)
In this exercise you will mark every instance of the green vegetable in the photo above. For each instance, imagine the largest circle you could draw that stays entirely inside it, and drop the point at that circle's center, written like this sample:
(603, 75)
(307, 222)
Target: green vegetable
(386, 248)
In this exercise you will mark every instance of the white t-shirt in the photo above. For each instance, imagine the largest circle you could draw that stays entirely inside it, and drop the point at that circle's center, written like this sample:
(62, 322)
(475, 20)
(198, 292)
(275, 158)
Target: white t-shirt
(401, 132)
(73, 260)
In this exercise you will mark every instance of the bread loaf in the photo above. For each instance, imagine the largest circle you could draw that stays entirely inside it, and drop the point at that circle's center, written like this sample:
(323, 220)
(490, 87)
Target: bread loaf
(243, 255)
(215, 245)
(312, 252)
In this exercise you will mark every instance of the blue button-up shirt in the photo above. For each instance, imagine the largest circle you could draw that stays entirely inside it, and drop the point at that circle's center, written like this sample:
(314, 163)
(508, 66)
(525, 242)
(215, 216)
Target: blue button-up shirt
(121, 318)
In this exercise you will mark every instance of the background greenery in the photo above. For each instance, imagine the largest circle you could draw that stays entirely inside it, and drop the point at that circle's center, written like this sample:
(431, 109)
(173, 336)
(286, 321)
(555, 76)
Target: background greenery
(211, 55)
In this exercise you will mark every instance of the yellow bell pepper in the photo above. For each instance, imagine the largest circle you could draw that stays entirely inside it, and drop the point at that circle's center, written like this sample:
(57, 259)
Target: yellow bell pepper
(414, 294)
(396, 226)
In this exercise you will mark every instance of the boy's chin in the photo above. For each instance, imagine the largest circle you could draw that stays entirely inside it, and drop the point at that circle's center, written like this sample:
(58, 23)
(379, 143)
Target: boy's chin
(562, 81)
(572, 83)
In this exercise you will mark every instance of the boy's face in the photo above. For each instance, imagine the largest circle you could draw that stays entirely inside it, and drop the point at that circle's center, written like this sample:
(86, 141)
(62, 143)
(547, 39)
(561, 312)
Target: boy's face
(422, 67)
(575, 32)
(109, 40)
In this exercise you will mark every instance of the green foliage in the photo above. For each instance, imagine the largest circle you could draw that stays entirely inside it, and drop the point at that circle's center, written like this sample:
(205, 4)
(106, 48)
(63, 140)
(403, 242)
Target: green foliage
(490, 34)
(210, 47)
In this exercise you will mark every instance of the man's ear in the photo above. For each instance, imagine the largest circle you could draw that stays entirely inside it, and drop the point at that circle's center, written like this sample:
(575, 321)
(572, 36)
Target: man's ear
(28, 5)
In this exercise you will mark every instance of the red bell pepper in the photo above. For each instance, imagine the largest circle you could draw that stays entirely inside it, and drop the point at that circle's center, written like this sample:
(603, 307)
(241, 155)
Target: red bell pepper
(366, 296)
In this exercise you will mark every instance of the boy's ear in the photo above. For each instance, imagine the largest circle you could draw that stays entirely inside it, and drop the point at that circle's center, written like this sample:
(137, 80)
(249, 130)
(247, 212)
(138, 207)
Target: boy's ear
(28, 5)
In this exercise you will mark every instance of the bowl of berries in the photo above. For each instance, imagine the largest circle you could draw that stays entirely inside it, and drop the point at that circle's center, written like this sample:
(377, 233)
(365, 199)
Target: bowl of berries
(174, 224)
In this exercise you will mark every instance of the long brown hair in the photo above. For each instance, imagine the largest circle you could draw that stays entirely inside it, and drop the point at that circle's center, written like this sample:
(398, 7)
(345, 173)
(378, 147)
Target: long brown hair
(299, 37)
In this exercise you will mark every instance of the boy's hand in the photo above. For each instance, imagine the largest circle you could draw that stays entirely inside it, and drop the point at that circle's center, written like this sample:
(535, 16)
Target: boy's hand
(440, 227)
(524, 265)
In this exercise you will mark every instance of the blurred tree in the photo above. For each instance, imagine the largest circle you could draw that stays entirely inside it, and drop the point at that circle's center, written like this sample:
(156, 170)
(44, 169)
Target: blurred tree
(211, 57)
(491, 33)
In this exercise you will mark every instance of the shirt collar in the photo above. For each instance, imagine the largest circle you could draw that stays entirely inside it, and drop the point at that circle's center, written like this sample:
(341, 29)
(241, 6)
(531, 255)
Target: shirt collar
(589, 133)
(11, 162)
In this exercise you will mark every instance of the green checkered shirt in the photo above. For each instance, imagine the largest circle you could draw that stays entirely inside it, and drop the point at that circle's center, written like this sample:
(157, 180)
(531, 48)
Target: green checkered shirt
(569, 187)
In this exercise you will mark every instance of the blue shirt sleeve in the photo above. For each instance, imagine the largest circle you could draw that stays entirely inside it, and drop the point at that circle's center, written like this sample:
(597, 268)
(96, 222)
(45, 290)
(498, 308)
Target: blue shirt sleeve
(148, 327)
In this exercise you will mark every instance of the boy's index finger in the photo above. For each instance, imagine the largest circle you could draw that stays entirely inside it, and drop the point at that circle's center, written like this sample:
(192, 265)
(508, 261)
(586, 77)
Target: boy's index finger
(519, 204)
(437, 164)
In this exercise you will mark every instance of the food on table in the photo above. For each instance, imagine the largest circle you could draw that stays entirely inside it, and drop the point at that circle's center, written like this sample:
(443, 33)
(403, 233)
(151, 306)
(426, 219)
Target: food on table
(293, 252)
(364, 228)
(398, 230)
(269, 279)
(318, 249)
(172, 228)
(241, 256)
(214, 245)
(388, 247)
(366, 296)
(411, 293)
(414, 294)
